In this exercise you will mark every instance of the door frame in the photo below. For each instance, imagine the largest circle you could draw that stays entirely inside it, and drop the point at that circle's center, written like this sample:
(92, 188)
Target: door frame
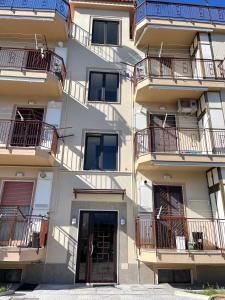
(117, 242)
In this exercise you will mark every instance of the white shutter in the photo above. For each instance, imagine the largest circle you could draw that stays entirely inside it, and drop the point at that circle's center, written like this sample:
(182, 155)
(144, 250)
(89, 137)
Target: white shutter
(145, 197)
(53, 114)
(220, 206)
(43, 193)
(214, 205)
(140, 119)
(62, 52)
(214, 100)
(217, 119)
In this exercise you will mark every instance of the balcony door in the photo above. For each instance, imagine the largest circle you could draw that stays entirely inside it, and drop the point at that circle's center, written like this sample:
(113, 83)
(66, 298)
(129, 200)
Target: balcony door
(97, 247)
(170, 221)
(27, 127)
(163, 133)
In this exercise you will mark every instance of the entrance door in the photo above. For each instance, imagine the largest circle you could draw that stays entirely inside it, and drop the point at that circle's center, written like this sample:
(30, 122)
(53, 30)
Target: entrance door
(27, 127)
(163, 133)
(97, 247)
(170, 221)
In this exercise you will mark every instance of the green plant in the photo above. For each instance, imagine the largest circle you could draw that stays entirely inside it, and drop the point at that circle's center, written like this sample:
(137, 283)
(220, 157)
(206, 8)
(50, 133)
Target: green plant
(4, 289)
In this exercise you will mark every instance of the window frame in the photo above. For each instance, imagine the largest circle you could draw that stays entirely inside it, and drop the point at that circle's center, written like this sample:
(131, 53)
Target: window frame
(105, 35)
(104, 73)
(101, 135)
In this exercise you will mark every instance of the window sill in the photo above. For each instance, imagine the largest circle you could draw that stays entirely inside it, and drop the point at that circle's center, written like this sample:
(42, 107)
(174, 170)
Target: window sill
(106, 45)
(103, 102)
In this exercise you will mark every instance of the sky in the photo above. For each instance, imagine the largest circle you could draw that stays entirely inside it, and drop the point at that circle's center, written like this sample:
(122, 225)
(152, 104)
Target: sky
(211, 2)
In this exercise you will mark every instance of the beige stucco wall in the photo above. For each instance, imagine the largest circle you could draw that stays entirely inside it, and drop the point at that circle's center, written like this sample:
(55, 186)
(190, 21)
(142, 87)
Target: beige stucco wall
(195, 190)
(79, 117)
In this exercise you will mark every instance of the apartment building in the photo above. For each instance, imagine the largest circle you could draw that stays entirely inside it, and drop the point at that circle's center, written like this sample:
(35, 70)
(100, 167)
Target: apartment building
(179, 141)
(67, 210)
(112, 155)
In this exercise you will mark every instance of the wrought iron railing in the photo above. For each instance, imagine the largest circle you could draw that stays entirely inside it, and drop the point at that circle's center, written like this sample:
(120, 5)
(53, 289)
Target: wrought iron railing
(32, 60)
(178, 140)
(178, 68)
(14, 133)
(179, 233)
(18, 230)
(178, 11)
(60, 6)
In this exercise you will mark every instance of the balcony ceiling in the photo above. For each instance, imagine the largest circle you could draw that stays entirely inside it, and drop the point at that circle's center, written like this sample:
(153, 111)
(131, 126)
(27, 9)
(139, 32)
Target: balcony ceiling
(169, 91)
(54, 28)
(153, 35)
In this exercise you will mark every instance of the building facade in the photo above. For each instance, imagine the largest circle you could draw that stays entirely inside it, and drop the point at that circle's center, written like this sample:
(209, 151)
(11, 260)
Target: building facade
(112, 156)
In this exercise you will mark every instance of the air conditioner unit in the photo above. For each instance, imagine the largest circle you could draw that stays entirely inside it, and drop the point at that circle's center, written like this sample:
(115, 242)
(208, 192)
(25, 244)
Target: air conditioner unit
(187, 106)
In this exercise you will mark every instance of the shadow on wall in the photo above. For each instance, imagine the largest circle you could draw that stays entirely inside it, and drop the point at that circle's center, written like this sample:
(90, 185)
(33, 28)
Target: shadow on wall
(64, 236)
(108, 54)
(93, 55)
(92, 117)
(67, 241)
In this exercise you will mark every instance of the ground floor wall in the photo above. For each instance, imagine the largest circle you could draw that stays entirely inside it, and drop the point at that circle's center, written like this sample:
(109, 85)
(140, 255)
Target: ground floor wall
(199, 274)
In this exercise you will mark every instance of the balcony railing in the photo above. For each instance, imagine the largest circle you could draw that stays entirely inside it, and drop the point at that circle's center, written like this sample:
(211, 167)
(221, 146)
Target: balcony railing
(59, 6)
(180, 233)
(177, 140)
(32, 60)
(26, 134)
(178, 11)
(179, 68)
(18, 230)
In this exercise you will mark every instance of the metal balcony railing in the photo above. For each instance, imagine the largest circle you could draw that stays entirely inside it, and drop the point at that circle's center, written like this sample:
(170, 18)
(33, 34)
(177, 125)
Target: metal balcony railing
(177, 140)
(178, 11)
(18, 230)
(179, 68)
(32, 60)
(179, 233)
(25, 134)
(59, 6)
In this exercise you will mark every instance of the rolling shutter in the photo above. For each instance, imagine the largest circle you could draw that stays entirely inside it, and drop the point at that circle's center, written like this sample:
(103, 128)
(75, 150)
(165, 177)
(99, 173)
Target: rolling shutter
(17, 193)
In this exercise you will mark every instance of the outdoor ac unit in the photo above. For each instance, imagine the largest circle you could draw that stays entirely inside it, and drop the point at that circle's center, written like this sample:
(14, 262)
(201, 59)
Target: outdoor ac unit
(187, 106)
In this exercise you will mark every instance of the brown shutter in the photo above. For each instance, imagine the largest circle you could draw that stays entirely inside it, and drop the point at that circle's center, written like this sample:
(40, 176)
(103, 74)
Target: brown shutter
(17, 193)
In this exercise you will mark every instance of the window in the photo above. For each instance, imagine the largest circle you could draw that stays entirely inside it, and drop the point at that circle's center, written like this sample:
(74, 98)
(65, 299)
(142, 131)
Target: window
(103, 87)
(101, 152)
(174, 276)
(105, 32)
(17, 193)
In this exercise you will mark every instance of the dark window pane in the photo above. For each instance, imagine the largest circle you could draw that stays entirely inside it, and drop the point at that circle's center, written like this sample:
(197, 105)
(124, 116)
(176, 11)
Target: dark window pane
(182, 276)
(112, 33)
(111, 87)
(93, 152)
(98, 32)
(110, 152)
(96, 86)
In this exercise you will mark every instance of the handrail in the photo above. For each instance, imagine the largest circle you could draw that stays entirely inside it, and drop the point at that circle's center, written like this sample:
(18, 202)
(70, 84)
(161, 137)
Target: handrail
(180, 233)
(29, 231)
(178, 68)
(33, 60)
(180, 141)
(29, 133)
(60, 6)
(179, 11)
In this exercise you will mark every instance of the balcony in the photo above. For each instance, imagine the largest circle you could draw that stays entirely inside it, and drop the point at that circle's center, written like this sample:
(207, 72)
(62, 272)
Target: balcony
(27, 143)
(50, 18)
(168, 79)
(28, 72)
(174, 23)
(22, 238)
(182, 240)
(179, 147)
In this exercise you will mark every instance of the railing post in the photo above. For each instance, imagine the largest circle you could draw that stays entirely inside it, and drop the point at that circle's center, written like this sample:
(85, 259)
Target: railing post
(138, 242)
